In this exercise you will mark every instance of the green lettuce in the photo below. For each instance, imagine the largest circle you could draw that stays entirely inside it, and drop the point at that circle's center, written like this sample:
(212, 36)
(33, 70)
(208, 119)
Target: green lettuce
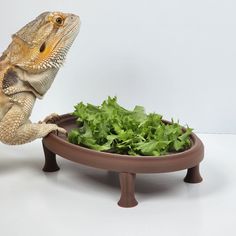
(111, 128)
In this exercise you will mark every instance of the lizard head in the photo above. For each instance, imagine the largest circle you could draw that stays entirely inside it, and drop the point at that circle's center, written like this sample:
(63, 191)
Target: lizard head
(43, 43)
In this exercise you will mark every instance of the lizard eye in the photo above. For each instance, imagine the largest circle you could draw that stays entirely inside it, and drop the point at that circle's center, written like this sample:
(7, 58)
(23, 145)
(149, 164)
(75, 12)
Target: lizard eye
(43, 47)
(59, 20)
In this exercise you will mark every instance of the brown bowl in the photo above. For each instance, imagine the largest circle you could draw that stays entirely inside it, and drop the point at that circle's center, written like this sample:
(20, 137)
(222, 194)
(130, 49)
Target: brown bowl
(127, 166)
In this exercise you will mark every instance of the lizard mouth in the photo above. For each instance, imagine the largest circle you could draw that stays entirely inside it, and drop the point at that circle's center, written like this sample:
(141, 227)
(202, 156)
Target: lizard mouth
(63, 45)
(69, 36)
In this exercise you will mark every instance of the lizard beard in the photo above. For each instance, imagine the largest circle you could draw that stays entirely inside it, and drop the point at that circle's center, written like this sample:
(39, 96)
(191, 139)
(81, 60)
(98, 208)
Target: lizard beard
(40, 83)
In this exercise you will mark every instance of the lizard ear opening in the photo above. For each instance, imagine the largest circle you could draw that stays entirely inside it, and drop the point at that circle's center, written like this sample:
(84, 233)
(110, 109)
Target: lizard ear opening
(43, 47)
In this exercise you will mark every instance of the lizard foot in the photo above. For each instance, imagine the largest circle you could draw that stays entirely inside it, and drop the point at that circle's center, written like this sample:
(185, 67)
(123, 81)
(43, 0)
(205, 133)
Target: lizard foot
(55, 128)
(50, 119)
(61, 130)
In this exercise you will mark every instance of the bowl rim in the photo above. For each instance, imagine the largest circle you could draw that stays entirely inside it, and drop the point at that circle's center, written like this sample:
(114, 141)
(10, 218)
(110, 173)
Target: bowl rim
(196, 143)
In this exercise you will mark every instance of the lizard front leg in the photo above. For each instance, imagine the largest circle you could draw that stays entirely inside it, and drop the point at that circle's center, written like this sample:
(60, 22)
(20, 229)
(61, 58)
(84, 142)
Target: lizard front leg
(15, 127)
(29, 132)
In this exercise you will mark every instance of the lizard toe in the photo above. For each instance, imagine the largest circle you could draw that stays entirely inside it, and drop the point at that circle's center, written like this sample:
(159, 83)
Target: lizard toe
(50, 119)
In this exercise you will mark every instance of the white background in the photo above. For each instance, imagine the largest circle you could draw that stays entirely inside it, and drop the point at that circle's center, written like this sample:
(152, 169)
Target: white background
(176, 58)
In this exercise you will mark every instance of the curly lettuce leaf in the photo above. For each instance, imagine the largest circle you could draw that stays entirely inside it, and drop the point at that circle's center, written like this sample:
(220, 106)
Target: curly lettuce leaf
(111, 128)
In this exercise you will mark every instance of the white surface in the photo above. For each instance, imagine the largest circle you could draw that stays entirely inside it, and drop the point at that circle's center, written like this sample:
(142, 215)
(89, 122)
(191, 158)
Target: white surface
(79, 200)
(174, 57)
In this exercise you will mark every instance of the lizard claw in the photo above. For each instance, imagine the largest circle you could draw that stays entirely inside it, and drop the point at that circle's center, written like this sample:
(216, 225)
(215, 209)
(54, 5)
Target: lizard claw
(57, 130)
(61, 130)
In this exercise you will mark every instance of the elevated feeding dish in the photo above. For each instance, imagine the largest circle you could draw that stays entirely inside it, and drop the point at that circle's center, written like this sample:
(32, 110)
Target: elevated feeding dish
(126, 166)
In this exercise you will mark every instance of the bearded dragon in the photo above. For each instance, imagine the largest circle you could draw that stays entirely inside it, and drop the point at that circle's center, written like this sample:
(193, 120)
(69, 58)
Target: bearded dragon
(27, 69)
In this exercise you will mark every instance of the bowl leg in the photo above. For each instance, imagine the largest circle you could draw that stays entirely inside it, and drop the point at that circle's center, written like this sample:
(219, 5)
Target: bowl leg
(50, 161)
(193, 175)
(127, 185)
